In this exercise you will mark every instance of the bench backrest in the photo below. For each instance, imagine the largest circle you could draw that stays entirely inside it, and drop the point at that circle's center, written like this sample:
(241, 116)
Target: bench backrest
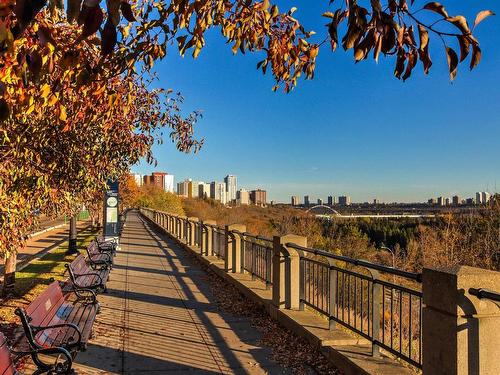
(45, 306)
(6, 364)
(92, 249)
(79, 265)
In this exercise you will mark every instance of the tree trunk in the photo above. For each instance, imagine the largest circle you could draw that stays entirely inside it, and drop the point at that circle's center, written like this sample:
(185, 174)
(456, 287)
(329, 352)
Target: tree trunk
(9, 279)
(72, 248)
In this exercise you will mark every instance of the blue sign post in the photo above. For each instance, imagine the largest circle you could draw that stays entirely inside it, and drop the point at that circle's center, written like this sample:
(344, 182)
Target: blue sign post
(111, 224)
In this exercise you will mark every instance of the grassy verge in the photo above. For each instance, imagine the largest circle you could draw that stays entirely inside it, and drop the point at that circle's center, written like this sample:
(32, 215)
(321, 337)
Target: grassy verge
(34, 278)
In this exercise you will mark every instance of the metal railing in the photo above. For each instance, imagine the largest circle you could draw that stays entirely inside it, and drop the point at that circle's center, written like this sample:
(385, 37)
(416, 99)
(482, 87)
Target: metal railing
(482, 293)
(352, 293)
(257, 257)
(219, 242)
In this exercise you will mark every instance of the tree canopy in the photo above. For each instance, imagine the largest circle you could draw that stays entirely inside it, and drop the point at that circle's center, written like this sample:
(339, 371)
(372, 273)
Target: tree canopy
(76, 105)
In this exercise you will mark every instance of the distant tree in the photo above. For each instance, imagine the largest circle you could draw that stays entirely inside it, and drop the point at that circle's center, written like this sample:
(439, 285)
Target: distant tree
(152, 196)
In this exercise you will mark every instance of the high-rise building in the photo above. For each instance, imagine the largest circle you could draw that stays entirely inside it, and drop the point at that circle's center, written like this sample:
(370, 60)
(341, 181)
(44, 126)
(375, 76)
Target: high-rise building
(203, 190)
(441, 201)
(192, 191)
(376, 201)
(479, 198)
(432, 201)
(258, 197)
(456, 200)
(183, 188)
(242, 197)
(218, 191)
(320, 201)
(137, 178)
(447, 201)
(344, 200)
(295, 201)
(161, 180)
(485, 197)
(231, 187)
(168, 183)
(306, 200)
(331, 200)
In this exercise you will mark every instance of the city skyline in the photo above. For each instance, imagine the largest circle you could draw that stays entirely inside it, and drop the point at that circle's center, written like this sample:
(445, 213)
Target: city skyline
(273, 193)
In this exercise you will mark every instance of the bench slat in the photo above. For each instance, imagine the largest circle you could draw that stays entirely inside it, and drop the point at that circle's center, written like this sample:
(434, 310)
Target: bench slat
(6, 364)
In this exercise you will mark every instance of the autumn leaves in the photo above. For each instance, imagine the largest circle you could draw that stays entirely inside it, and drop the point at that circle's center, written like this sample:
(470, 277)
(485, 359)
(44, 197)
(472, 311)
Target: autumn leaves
(392, 28)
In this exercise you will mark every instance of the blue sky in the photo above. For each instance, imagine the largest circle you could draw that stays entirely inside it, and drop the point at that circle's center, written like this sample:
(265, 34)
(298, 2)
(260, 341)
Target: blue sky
(354, 129)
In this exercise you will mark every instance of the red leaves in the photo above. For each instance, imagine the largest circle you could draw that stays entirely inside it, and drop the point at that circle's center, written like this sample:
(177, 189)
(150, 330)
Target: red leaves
(91, 18)
(108, 38)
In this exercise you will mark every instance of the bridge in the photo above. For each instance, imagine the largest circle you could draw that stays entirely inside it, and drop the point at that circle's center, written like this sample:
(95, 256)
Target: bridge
(326, 212)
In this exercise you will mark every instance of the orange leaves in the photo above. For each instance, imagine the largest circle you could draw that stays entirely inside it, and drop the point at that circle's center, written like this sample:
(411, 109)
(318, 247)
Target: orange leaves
(481, 16)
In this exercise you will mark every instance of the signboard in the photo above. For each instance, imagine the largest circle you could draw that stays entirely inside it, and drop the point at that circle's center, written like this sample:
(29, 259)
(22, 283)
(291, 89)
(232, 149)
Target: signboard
(111, 210)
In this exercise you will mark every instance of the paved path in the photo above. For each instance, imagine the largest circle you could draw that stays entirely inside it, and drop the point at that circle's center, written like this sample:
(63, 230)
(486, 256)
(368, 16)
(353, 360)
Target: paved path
(159, 317)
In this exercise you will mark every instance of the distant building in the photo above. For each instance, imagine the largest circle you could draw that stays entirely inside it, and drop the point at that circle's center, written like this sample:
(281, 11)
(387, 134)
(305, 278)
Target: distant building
(456, 200)
(183, 188)
(344, 200)
(160, 180)
(447, 201)
(306, 200)
(331, 200)
(193, 189)
(295, 201)
(479, 198)
(203, 190)
(218, 191)
(258, 197)
(320, 201)
(432, 201)
(485, 197)
(242, 197)
(470, 201)
(168, 183)
(137, 178)
(376, 201)
(441, 201)
(231, 187)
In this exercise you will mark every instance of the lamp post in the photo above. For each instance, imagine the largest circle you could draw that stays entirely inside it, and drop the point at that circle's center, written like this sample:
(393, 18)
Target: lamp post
(383, 247)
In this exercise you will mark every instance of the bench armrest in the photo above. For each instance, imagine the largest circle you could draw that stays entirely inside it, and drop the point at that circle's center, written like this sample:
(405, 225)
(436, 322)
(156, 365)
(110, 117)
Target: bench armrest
(37, 329)
(108, 259)
(80, 293)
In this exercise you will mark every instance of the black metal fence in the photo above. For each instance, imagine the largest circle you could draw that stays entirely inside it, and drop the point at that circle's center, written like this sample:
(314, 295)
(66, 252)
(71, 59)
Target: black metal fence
(361, 296)
(257, 257)
(219, 242)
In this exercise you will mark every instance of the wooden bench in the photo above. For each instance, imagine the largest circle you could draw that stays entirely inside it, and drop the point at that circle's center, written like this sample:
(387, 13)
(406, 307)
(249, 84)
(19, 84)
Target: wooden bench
(107, 246)
(83, 276)
(57, 323)
(6, 364)
(98, 259)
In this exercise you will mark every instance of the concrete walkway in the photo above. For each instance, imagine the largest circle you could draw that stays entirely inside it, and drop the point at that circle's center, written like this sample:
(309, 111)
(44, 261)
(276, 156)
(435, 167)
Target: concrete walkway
(159, 316)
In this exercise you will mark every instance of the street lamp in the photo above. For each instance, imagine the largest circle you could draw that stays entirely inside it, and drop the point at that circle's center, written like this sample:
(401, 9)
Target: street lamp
(383, 247)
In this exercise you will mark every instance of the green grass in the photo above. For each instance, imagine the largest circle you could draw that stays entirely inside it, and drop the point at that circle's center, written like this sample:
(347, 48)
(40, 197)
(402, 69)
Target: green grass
(39, 273)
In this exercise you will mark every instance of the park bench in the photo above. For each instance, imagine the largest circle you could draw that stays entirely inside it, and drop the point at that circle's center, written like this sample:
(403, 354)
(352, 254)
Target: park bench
(57, 323)
(106, 245)
(84, 277)
(98, 259)
(6, 364)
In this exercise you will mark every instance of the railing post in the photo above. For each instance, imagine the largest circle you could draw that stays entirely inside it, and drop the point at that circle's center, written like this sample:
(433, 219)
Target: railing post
(207, 248)
(182, 227)
(286, 271)
(375, 305)
(232, 262)
(332, 280)
(460, 331)
(191, 224)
